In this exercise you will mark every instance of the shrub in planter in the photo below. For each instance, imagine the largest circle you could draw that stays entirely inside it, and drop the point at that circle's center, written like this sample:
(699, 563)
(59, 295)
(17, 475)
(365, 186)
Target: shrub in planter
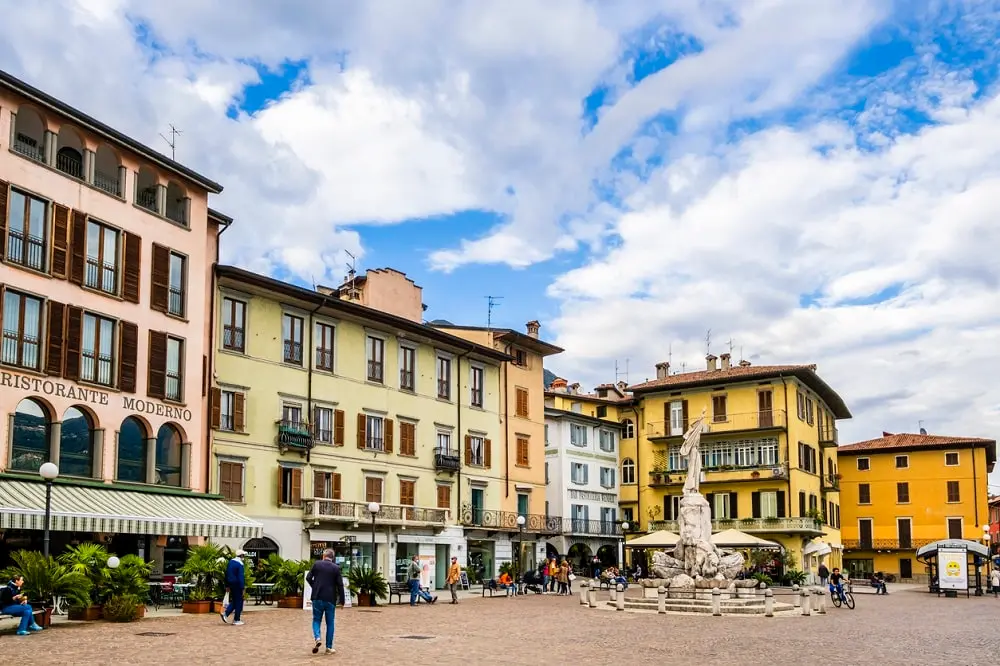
(89, 559)
(367, 584)
(288, 582)
(123, 608)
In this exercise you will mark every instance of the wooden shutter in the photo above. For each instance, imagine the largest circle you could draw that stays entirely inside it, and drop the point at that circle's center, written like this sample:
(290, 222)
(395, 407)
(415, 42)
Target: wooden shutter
(444, 497)
(4, 198)
(468, 449)
(486, 453)
(281, 484)
(734, 505)
(74, 336)
(362, 422)
(406, 493)
(802, 503)
(338, 427)
(522, 402)
(240, 412)
(336, 485)
(668, 508)
(236, 481)
(319, 485)
(684, 410)
(781, 504)
(225, 489)
(522, 451)
(128, 353)
(160, 282)
(666, 417)
(387, 436)
(215, 400)
(131, 268)
(157, 384)
(755, 504)
(54, 349)
(296, 487)
(60, 241)
(78, 247)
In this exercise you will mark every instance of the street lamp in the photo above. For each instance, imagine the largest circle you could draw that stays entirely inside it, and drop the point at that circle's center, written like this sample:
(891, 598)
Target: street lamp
(49, 472)
(373, 508)
(520, 541)
(621, 546)
(113, 562)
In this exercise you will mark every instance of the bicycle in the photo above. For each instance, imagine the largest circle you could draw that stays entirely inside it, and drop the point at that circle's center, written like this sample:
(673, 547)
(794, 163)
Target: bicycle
(845, 597)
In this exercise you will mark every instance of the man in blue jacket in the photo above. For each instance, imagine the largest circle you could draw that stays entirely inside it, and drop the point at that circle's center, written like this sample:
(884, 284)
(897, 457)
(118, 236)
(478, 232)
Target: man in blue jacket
(236, 583)
(13, 602)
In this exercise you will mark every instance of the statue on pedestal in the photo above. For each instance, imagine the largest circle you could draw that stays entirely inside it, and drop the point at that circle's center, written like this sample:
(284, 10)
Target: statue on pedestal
(692, 449)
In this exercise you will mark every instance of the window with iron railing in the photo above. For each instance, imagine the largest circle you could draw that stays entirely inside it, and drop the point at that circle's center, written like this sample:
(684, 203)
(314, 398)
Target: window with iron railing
(376, 359)
(27, 222)
(174, 385)
(97, 350)
(373, 433)
(233, 324)
(22, 329)
(324, 346)
(178, 283)
(407, 366)
(70, 162)
(477, 387)
(291, 327)
(227, 410)
(323, 424)
(146, 198)
(28, 146)
(444, 378)
(102, 257)
(107, 182)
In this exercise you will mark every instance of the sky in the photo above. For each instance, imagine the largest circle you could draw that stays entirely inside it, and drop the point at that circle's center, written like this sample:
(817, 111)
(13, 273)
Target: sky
(811, 182)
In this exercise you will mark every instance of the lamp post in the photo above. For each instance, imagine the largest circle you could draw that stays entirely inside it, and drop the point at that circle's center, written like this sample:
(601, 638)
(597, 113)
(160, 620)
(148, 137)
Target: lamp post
(520, 541)
(48, 471)
(373, 508)
(621, 545)
(989, 554)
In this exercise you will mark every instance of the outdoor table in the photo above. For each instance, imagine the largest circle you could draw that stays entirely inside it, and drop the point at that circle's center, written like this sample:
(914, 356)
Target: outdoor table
(156, 593)
(263, 593)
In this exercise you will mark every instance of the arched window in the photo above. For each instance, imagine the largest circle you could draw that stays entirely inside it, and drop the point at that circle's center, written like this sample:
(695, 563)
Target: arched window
(69, 152)
(176, 203)
(76, 444)
(168, 456)
(29, 134)
(132, 444)
(628, 471)
(628, 429)
(145, 190)
(30, 441)
(106, 171)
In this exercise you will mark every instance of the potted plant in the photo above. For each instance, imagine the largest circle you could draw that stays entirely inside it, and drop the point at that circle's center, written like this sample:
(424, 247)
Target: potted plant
(123, 608)
(89, 559)
(205, 567)
(755, 474)
(129, 581)
(368, 585)
(269, 568)
(288, 582)
(45, 579)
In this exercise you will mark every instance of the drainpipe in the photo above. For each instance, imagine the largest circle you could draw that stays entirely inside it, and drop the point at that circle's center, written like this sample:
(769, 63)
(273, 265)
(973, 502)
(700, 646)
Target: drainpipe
(638, 467)
(788, 441)
(506, 425)
(210, 367)
(975, 502)
(307, 356)
(458, 425)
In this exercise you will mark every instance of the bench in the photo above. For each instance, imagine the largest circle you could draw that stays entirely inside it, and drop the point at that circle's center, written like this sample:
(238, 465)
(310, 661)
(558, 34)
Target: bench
(494, 589)
(399, 589)
(35, 612)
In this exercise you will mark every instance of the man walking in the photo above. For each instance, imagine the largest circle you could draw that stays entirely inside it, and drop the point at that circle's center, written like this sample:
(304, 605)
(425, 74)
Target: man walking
(327, 591)
(415, 591)
(824, 574)
(454, 577)
(236, 584)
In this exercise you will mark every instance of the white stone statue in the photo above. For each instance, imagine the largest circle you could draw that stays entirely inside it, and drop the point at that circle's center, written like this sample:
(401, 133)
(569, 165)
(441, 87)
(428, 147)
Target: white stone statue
(692, 449)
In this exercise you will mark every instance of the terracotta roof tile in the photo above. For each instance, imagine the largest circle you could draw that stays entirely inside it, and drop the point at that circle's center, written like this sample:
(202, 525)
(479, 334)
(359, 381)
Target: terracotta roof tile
(909, 441)
(736, 372)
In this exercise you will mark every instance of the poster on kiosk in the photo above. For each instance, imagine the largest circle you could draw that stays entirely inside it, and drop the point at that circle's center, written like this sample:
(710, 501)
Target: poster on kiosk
(953, 572)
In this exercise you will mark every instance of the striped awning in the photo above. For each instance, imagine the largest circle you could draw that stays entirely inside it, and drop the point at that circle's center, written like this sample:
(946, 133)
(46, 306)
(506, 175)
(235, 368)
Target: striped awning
(86, 509)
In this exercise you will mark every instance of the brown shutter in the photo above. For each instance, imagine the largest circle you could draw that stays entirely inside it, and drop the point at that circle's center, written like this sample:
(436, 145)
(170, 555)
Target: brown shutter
(4, 198)
(131, 272)
(157, 384)
(224, 488)
(387, 435)
(684, 409)
(54, 350)
(318, 482)
(486, 453)
(468, 449)
(239, 412)
(666, 421)
(215, 400)
(296, 487)
(281, 484)
(60, 241)
(78, 247)
(236, 480)
(204, 375)
(408, 433)
(128, 353)
(74, 336)
(362, 421)
(160, 282)
(336, 485)
(338, 427)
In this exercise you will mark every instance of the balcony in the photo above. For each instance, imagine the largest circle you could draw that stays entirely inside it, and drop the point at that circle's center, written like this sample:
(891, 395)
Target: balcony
(320, 509)
(663, 477)
(101, 275)
(294, 434)
(108, 183)
(730, 423)
(146, 198)
(175, 302)
(26, 250)
(69, 162)
(446, 460)
(804, 526)
(592, 528)
(885, 544)
(29, 147)
(506, 521)
(830, 483)
(324, 359)
(828, 437)
(292, 352)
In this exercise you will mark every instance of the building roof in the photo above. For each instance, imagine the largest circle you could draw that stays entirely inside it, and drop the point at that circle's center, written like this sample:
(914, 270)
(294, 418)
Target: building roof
(509, 335)
(892, 442)
(46, 101)
(553, 413)
(743, 373)
(590, 397)
(220, 218)
(332, 304)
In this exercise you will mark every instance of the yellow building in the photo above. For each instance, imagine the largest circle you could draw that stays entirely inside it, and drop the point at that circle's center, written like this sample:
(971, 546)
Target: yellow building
(901, 492)
(769, 458)
(323, 404)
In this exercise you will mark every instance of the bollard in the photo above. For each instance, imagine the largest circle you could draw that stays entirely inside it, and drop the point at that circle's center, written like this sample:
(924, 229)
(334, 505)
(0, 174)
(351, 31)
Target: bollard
(614, 594)
(716, 602)
(796, 597)
(661, 600)
(805, 603)
(621, 598)
(583, 593)
(820, 601)
(592, 596)
(768, 603)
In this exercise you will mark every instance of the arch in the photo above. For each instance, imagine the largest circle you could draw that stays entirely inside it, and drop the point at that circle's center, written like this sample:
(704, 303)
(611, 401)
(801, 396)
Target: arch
(76, 442)
(168, 455)
(628, 428)
(69, 152)
(580, 556)
(628, 471)
(551, 552)
(608, 555)
(106, 170)
(32, 424)
(29, 134)
(146, 184)
(133, 444)
(176, 202)
(259, 548)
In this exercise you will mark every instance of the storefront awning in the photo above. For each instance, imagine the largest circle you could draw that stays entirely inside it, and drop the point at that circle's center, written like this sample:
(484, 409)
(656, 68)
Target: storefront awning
(86, 509)
(817, 548)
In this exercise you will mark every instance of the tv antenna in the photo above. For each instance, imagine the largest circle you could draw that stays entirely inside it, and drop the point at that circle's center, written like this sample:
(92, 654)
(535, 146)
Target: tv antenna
(730, 343)
(920, 424)
(618, 374)
(351, 272)
(708, 342)
(491, 302)
(172, 141)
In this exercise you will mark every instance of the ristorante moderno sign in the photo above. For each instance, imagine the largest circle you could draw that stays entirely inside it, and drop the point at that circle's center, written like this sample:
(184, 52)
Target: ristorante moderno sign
(92, 396)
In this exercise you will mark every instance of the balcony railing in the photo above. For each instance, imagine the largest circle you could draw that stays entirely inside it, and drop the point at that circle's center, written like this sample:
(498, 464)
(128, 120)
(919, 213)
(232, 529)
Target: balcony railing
(108, 183)
(175, 302)
(69, 165)
(293, 352)
(29, 350)
(227, 422)
(506, 521)
(147, 199)
(828, 435)
(662, 475)
(444, 389)
(294, 434)
(29, 148)
(406, 379)
(477, 397)
(446, 459)
(103, 276)
(96, 368)
(592, 527)
(375, 371)
(374, 444)
(232, 338)
(177, 214)
(318, 508)
(762, 420)
(796, 525)
(26, 250)
(885, 544)
(173, 386)
(831, 483)
(324, 358)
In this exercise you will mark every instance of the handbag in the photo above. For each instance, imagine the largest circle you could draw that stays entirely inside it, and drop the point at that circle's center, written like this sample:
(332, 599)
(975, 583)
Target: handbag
(572, 577)
(225, 599)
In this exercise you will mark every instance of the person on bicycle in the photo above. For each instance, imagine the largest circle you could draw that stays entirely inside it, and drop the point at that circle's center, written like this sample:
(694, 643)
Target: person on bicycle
(837, 583)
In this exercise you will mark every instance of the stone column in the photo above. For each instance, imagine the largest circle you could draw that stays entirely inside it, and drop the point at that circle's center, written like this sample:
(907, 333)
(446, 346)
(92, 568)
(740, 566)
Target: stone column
(122, 171)
(50, 147)
(161, 199)
(88, 166)
(98, 443)
(716, 602)
(621, 598)
(805, 602)
(151, 460)
(55, 435)
(592, 596)
(583, 592)
(768, 603)
(186, 465)
(661, 600)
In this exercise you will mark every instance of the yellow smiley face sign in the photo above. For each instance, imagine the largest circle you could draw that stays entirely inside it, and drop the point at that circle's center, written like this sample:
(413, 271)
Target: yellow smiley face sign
(953, 569)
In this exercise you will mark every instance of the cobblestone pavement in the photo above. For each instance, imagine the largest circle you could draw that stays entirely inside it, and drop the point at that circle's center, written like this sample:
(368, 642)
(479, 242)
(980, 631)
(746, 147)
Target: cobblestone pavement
(907, 627)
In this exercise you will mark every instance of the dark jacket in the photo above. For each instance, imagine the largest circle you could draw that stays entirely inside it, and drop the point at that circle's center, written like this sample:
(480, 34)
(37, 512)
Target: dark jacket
(235, 575)
(326, 582)
(7, 594)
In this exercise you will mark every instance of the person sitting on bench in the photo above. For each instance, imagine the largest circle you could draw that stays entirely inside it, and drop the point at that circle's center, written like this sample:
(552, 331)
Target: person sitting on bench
(507, 583)
(13, 602)
(878, 582)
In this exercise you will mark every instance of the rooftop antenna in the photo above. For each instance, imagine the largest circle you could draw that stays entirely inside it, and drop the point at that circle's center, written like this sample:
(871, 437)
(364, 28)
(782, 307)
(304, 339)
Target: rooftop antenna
(618, 374)
(708, 342)
(351, 275)
(491, 302)
(683, 367)
(172, 141)
(730, 346)
(741, 352)
(920, 424)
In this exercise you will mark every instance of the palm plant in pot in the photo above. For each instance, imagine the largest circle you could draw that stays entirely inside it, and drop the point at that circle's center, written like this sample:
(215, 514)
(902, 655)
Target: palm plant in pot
(367, 584)
(127, 585)
(288, 582)
(89, 559)
(45, 579)
(205, 567)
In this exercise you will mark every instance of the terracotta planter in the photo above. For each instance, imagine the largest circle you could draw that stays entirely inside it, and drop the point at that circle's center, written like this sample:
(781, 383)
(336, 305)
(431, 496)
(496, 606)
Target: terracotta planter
(142, 610)
(197, 607)
(218, 607)
(290, 602)
(365, 599)
(88, 614)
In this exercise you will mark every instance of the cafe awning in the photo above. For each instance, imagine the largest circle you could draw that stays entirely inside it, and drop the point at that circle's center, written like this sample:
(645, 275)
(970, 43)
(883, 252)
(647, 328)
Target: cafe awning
(738, 539)
(660, 539)
(88, 509)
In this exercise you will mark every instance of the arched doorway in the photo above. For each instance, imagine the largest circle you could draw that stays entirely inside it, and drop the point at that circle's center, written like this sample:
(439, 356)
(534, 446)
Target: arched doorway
(76, 443)
(132, 443)
(608, 555)
(551, 552)
(30, 440)
(259, 549)
(168, 456)
(581, 557)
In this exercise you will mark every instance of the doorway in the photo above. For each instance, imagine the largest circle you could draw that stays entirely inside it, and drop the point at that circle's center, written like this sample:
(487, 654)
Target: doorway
(441, 564)
(905, 567)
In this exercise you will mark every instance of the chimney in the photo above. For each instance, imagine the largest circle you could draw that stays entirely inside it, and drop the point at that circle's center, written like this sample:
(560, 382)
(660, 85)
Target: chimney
(622, 386)
(533, 327)
(574, 388)
(744, 363)
(725, 361)
(711, 359)
(662, 370)
(558, 385)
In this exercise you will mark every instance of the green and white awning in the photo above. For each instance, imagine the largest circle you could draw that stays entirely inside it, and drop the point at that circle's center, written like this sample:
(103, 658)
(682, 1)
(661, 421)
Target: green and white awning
(86, 509)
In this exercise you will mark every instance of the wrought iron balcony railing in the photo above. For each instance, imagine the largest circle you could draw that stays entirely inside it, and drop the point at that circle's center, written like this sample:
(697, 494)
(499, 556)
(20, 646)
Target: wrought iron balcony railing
(375, 371)
(26, 250)
(108, 183)
(592, 527)
(232, 338)
(446, 459)
(69, 165)
(293, 352)
(318, 508)
(828, 435)
(506, 521)
(294, 434)
(29, 147)
(885, 544)
(753, 525)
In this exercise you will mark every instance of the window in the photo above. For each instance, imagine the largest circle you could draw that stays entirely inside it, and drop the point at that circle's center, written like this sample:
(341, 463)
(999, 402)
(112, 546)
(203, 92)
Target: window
(291, 333)
(719, 408)
(577, 435)
(407, 439)
(376, 358)
(953, 492)
(444, 378)
(323, 424)
(97, 350)
(373, 489)
(291, 414)
(477, 387)
(407, 368)
(324, 346)
(102, 257)
(522, 504)
(22, 330)
(178, 284)
(290, 486)
(769, 505)
(234, 319)
(520, 358)
(902, 493)
(864, 464)
(602, 411)
(27, 224)
(476, 453)
(522, 451)
(326, 485)
(768, 452)
(374, 432)
(444, 497)
(800, 405)
(864, 493)
(407, 491)
(628, 471)
(231, 481)
(576, 407)
(608, 520)
(745, 454)
(904, 531)
(546, 434)
(810, 414)
(902, 462)
(546, 474)
(174, 384)
(951, 459)
(607, 441)
(865, 533)
(579, 473)
(444, 442)
(228, 411)
(581, 517)
(677, 418)
(955, 528)
(607, 477)
(721, 507)
(628, 429)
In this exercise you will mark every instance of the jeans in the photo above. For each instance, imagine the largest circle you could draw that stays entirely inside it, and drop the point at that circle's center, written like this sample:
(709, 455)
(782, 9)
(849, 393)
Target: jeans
(415, 592)
(235, 607)
(24, 612)
(324, 609)
(839, 589)
(545, 583)
(621, 580)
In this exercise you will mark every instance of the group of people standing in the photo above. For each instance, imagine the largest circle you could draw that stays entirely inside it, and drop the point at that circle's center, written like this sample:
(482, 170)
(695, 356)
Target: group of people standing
(554, 573)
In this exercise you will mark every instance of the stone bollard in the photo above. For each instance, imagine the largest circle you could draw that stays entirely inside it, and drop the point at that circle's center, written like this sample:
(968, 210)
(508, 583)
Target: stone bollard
(805, 603)
(661, 600)
(796, 596)
(614, 595)
(820, 601)
(768, 603)
(621, 598)
(716, 602)
(592, 596)
(583, 593)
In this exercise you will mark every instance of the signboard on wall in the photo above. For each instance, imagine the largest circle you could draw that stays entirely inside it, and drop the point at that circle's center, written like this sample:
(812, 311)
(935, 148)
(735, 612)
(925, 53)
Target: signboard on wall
(953, 569)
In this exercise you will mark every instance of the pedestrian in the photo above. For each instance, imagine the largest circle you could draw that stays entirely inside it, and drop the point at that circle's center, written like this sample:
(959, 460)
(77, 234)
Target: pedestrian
(236, 585)
(327, 591)
(415, 591)
(545, 577)
(454, 578)
(553, 574)
(14, 602)
(824, 575)
(564, 578)
(995, 582)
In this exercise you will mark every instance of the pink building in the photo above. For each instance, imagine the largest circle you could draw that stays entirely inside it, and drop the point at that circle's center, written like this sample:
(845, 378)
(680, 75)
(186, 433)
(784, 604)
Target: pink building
(106, 260)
